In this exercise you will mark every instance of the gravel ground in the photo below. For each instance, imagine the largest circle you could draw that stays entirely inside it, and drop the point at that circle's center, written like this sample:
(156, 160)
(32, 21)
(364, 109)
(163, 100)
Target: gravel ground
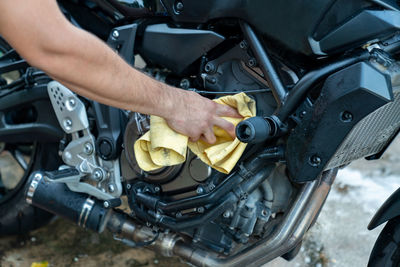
(339, 238)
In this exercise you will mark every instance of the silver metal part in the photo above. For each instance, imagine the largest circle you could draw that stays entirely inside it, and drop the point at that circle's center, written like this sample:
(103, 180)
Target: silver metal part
(20, 159)
(32, 187)
(70, 111)
(80, 152)
(371, 134)
(284, 238)
(86, 208)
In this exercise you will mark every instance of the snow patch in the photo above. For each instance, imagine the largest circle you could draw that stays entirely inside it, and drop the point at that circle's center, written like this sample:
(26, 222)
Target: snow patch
(369, 191)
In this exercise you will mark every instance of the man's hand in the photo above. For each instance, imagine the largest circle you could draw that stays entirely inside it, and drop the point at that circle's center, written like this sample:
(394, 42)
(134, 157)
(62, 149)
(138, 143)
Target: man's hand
(195, 116)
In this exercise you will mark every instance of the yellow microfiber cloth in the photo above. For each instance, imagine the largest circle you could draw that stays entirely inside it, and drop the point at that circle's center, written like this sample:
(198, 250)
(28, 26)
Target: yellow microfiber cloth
(162, 146)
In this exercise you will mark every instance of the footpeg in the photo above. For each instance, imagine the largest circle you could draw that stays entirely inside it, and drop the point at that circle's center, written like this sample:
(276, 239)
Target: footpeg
(63, 175)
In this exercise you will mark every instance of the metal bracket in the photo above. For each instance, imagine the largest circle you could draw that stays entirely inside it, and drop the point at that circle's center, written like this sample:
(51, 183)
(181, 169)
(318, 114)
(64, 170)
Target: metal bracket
(81, 151)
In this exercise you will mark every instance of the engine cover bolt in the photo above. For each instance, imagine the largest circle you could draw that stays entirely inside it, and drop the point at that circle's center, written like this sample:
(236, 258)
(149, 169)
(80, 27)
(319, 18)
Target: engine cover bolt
(199, 190)
(128, 186)
(88, 148)
(179, 6)
(209, 68)
(315, 160)
(157, 189)
(115, 34)
(106, 204)
(243, 45)
(185, 84)
(111, 188)
(252, 62)
(200, 209)
(227, 214)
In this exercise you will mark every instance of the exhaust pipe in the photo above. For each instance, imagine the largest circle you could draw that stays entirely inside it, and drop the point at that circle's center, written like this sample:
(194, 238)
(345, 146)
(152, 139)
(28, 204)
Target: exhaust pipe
(58, 199)
(90, 213)
(86, 212)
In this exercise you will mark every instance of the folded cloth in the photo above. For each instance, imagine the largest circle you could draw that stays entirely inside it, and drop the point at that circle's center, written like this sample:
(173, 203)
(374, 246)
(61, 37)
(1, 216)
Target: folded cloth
(162, 146)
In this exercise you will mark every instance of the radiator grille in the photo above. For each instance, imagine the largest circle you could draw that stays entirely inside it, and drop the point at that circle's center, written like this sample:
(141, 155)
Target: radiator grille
(370, 135)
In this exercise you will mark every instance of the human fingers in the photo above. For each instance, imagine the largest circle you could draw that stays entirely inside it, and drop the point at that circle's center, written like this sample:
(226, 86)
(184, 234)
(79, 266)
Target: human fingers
(227, 111)
(226, 125)
(209, 136)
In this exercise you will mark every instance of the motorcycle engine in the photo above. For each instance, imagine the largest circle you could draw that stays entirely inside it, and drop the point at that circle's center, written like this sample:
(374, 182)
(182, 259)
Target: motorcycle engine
(251, 215)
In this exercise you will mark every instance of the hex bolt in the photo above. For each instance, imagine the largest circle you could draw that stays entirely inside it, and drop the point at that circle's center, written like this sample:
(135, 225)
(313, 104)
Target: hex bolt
(243, 44)
(106, 204)
(157, 189)
(264, 212)
(128, 186)
(315, 160)
(227, 214)
(179, 6)
(184, 84)
(111, 188)
(346, 116)
(200, 209)
(67, 124)
(72, 102)
(115, 34)
(252, 62)
(88, 148)
(97, 174)
(199, 190)
(209, 67)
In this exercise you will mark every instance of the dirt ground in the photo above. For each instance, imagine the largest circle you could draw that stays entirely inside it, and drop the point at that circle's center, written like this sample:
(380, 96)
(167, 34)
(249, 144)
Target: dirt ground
(339, 238)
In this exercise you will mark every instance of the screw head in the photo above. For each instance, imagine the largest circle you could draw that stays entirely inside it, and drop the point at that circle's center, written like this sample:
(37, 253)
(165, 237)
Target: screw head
(67, 123)
(199, 190)
(200, 209)
(106, 204)
(97, 174)
(209, 67)
(157, 189)
(72, 102)
(315, 160)
(88, 148)
(243, 44)
(179, 6)
(227, 214)
(111, 188)
(184, 84)
(115, 34)
(128, 186)
(264, 212)
(252, 62)
(346, 116)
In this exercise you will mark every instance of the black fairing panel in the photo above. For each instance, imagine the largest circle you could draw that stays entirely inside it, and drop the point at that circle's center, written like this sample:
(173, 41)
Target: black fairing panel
(296, 25)
(177, 48)
(357, 91)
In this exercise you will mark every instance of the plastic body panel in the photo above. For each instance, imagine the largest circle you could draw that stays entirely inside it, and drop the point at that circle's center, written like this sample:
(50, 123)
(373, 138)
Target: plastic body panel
(346, 98)
(177, 48)
(299, 26)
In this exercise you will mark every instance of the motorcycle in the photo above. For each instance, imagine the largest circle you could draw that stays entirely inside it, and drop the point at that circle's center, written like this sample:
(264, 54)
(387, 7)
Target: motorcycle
(326, 79)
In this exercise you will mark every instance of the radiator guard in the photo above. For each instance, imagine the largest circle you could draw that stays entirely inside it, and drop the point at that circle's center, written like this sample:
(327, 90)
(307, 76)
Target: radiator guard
(355, 116)
(370, 135)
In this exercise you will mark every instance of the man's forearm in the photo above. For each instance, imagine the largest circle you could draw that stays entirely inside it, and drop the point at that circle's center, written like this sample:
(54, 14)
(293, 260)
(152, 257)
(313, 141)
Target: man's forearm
(90, 64)
(41, 34)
